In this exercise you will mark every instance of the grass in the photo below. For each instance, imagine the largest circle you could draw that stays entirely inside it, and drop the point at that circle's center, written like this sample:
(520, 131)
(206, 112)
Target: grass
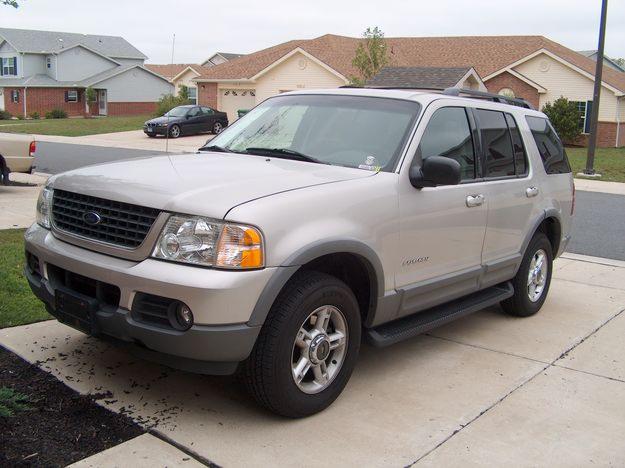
(609, 162)
(74, 127)
(18, 305)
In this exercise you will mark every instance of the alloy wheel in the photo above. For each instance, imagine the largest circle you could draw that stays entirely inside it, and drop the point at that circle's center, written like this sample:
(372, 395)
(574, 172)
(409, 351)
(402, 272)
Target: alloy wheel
(537, 275)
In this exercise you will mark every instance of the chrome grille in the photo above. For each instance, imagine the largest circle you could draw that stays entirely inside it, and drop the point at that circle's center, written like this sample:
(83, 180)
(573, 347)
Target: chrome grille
(122, 224)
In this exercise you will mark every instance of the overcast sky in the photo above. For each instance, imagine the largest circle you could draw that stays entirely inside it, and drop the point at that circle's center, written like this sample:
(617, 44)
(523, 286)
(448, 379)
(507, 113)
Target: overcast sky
(203, 27)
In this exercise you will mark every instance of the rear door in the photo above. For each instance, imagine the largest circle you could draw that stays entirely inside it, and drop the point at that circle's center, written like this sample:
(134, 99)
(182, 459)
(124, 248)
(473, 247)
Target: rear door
(511, 190)
(441, 228)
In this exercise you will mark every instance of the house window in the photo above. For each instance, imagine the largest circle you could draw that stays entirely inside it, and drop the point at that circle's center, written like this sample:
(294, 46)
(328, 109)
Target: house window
(15, 96)
(193, 95)
(506, 92)
(48, 62)
(584, 108)
(72, 95)
(9, 66)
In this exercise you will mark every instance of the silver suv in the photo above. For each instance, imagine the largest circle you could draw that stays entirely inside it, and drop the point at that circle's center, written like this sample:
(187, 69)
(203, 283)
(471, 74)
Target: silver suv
(317, 218)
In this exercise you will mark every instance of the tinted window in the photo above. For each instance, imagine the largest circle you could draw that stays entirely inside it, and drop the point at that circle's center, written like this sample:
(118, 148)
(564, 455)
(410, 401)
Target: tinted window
(207, 110)
(549, 146)
(520, 160)
(496, 143)
(194, 112)
(448, 134)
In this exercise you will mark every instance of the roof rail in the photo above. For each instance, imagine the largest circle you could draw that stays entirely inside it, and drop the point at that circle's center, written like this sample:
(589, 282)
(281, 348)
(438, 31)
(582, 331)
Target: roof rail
(519, 102)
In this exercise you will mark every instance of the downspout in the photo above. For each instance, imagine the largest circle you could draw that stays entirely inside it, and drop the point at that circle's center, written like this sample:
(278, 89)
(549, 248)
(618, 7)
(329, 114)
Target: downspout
(618, 120)
(25, 102)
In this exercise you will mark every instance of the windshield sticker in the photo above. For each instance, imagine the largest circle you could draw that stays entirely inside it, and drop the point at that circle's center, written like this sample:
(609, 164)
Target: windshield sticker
(370, 164)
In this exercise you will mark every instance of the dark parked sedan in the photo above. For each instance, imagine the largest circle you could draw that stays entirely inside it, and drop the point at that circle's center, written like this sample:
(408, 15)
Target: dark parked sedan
(187, 120)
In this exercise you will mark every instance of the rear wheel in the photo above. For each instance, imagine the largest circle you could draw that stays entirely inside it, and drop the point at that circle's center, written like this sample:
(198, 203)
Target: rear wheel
(217, 128)
(174, 131)
(531, 283)
(307, 348)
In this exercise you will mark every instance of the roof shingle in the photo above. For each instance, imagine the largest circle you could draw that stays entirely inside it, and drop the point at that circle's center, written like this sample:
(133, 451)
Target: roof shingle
(170, 70)
(418, 77)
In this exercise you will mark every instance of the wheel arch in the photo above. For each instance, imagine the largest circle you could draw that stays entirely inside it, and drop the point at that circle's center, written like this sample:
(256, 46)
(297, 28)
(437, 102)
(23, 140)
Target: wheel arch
(550, 224)
(352, 261)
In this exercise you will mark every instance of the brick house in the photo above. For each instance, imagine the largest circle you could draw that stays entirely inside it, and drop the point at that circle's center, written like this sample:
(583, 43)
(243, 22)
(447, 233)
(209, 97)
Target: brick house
(45, 70)
(532, 67)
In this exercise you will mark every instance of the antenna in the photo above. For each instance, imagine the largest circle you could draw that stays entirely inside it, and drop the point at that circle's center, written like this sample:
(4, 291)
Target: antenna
(173, 46)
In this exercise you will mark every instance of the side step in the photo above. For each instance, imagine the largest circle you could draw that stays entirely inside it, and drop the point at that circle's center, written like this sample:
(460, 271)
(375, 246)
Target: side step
(413, 325)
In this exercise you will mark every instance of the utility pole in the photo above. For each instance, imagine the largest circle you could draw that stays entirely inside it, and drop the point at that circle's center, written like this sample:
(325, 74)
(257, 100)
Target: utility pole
(173, 46)
(592, 140)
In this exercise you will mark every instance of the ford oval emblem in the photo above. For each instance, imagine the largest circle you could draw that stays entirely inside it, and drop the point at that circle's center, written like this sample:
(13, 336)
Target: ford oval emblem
(91, 218)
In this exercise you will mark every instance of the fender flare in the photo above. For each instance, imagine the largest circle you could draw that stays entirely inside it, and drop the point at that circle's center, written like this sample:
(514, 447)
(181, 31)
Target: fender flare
(309, 253)
(548, 213)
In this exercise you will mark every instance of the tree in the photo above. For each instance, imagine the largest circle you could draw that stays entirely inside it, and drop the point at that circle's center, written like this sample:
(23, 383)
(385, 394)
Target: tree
(90, 97)
(564, 116)
(370, 56)
(620, 61)
(168, 101)
(12, 3)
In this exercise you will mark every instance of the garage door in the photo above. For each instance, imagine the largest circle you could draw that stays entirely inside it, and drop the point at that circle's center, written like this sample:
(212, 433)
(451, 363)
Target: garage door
(231, 100)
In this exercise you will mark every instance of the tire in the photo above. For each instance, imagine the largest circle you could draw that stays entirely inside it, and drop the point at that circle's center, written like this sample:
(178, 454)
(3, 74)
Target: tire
(524, 302)
(4, 172)
(174, 131)
(217, 128)
(151, 135)
(268, 373)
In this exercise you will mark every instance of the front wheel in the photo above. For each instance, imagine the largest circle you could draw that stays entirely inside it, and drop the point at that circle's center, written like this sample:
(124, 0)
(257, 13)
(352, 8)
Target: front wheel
(532, 281)
(174, 131)
(307, 348)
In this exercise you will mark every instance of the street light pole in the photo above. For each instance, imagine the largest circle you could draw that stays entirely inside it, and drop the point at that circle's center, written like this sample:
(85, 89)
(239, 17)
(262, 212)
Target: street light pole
(592, 140)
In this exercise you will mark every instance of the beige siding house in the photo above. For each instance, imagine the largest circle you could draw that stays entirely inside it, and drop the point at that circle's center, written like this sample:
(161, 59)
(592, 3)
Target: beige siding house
(531, 67)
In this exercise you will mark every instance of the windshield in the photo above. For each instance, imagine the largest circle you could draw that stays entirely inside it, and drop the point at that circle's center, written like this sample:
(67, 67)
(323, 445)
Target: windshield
(177, 112)
(353, 131)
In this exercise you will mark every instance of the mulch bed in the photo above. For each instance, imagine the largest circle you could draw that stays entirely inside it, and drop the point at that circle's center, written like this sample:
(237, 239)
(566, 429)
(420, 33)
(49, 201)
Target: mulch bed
(61, 426)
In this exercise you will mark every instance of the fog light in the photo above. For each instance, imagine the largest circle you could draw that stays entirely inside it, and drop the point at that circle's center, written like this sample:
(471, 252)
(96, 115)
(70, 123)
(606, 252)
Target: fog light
(182, 317)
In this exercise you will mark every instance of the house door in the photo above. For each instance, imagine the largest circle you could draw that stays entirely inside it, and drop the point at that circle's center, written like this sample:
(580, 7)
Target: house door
(102, 106)
(1, 99)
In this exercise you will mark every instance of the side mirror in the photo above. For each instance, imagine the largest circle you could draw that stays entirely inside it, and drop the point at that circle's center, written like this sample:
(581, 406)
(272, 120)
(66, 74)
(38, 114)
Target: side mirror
(188, 116)
(436, 170)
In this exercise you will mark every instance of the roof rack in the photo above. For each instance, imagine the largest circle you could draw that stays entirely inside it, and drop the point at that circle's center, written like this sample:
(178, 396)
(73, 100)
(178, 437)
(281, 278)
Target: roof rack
(519, 102)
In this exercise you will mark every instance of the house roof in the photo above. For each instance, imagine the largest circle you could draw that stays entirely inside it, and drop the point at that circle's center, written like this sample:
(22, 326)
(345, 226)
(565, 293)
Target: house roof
(171, 70)
(228, 55)
(418, 77)
(486, 54)
(44, 42)
(592, 53)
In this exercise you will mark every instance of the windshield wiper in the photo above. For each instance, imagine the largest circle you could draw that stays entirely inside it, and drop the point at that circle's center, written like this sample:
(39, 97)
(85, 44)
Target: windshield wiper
(219, 149)
(284, 152)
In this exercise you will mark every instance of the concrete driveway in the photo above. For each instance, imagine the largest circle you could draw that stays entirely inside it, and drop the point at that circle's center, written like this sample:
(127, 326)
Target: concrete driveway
(487, 390)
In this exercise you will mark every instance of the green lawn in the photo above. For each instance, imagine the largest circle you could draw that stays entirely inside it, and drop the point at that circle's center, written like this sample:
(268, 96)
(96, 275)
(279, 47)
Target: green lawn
(609, 162)
(18, 305)
(74, 127)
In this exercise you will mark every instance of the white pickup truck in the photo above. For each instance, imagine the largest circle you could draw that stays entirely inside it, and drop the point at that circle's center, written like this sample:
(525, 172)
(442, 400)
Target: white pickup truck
(17, 153)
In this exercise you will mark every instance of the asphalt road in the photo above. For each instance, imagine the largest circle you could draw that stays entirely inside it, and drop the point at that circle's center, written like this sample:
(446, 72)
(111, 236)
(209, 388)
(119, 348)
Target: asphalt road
(53, 158)
(599, 225)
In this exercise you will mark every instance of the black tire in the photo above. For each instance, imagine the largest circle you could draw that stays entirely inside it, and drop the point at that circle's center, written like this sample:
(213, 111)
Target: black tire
(151, 135)
(520, 303)
(174, 131)
(267, 373)
(4, 172)
(218, 127)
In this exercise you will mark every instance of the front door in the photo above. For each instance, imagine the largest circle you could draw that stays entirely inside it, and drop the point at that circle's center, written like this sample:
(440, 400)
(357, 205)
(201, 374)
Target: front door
(102, 104)
(442, 228)
(1, 99)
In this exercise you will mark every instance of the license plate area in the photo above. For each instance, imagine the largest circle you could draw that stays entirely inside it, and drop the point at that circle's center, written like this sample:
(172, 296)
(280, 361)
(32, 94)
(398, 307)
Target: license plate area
(76, 310)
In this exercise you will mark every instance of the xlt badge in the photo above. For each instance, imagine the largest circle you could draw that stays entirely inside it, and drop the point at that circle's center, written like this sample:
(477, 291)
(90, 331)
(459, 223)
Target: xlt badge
(413, 261)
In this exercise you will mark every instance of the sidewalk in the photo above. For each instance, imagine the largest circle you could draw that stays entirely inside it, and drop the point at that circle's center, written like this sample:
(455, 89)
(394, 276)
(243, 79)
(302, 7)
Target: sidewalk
(488, 389)
(134, 139)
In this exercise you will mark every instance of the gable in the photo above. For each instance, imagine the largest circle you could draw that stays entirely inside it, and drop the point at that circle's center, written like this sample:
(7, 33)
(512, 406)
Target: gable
(135, 85)
(5, 47)
(79, 63)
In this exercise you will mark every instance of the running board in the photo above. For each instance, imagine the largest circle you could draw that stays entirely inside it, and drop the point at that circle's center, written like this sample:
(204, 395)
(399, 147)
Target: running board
(413, 325)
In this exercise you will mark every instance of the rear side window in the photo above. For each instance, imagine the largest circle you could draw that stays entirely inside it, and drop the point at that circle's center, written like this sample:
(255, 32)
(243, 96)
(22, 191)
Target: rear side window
(448, 134)
(520, 158)
(549, 146)
(496, 144)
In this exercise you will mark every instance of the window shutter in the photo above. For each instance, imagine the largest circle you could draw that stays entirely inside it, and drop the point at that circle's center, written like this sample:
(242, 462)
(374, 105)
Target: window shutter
(15, 65)
(587, 119)
(1, 66)
(66, 96)
(78, 93)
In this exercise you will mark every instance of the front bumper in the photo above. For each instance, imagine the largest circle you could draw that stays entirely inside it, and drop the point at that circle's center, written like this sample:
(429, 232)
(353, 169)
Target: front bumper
(222, 302)
(155, 130)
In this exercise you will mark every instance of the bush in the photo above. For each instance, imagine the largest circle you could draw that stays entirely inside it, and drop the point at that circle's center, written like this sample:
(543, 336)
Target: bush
(20, 117)
(35, 116)
(56, 114)
(564, 116)
(4, 115)
(168, 101)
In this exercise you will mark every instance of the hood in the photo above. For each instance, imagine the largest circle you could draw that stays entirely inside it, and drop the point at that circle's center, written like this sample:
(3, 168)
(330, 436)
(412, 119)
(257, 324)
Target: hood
(207, 184)
(164, 119)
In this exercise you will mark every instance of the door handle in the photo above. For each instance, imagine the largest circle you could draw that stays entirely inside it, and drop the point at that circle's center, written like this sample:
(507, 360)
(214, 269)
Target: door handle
(475, 200)
(531, 192)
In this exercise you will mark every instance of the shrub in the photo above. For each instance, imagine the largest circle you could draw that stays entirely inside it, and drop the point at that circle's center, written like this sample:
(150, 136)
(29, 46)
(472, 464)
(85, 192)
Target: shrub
(4, 115)
(20, 117)
(56, 114)
(35, 116)
(564, 116)
(168, 101)
(11, 402)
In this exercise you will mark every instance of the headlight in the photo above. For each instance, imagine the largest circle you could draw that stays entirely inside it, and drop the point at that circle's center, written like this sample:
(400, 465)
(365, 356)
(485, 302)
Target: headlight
(203, 241)
(162, 125)
(44, 207)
